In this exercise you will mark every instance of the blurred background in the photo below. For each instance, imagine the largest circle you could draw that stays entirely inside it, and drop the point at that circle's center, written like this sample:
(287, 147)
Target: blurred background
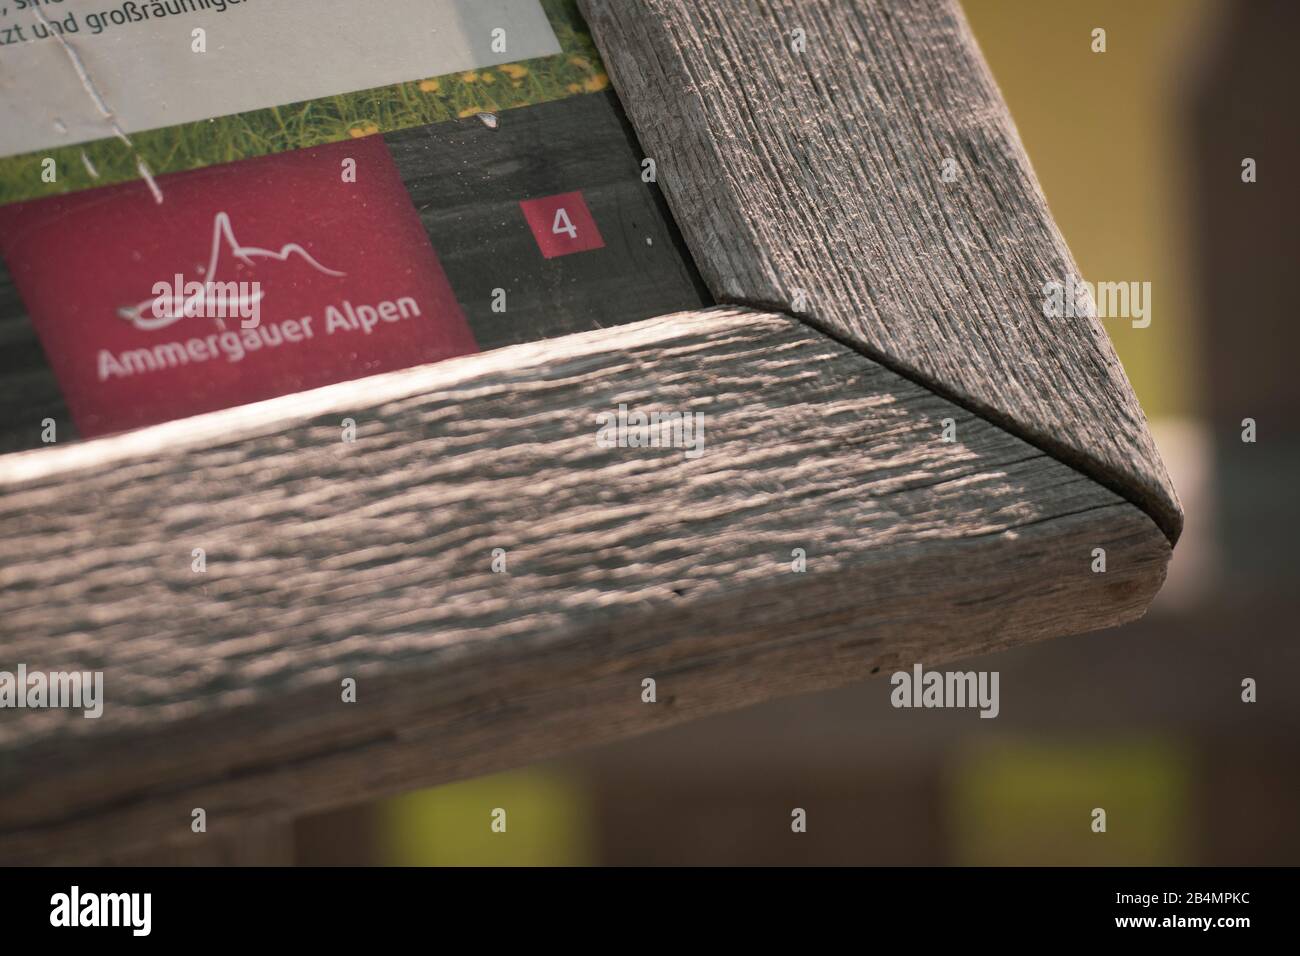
(1139, 150)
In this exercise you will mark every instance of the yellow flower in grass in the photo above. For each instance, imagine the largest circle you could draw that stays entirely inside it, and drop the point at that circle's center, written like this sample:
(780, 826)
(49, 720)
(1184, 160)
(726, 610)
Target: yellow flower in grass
(470, 77)
(581, 62)
(514, 70)
(596, 83)
(430, 86)
(363, 129)
(574, 87)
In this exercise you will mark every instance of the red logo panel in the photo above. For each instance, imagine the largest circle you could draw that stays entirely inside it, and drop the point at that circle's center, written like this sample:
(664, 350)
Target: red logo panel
(249, 280)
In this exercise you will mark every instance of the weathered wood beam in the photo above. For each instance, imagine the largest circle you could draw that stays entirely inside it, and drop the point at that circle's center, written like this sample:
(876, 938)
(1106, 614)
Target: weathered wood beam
(373, 560)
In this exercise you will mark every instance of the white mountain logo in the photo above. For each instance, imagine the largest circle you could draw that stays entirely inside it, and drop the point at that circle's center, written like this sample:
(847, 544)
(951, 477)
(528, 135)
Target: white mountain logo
(211, 297)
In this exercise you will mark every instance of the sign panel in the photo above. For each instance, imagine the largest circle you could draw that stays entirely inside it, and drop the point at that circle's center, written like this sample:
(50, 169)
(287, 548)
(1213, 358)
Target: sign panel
(492, 192)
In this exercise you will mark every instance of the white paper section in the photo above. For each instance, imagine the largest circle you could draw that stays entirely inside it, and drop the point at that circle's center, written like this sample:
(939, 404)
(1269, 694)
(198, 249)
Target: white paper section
(260, 53)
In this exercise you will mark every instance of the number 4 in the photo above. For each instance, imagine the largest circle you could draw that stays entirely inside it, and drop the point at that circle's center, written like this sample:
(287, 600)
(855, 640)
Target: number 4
(563, 225)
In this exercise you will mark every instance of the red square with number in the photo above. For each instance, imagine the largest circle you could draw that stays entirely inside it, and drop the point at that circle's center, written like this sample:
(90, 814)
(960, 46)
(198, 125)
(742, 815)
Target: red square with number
(562, 224)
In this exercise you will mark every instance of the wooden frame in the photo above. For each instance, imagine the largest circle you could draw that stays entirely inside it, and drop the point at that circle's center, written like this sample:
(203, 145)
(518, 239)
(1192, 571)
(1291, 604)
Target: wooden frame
(828, 381)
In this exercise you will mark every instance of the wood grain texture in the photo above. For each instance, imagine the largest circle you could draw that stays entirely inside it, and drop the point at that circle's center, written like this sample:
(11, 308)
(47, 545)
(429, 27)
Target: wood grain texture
(818, 173)
(372, 560)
